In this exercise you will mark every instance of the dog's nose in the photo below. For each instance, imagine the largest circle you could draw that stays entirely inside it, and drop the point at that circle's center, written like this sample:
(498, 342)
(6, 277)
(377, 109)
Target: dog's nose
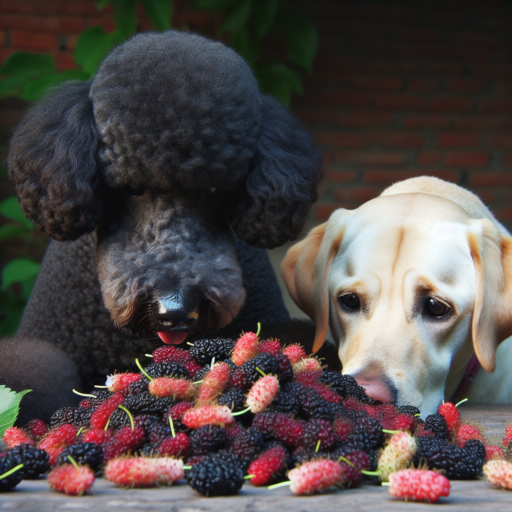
(175, 312)
(377, 389)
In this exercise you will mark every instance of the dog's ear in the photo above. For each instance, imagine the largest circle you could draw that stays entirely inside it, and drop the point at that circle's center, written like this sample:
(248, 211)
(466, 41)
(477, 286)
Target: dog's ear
(492, 317)
(306, 269)
(282, 185)
(52, 163)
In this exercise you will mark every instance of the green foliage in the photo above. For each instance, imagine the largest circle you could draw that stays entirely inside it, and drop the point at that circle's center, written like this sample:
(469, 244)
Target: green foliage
(9, 407)
(247, 23)
(19, 271)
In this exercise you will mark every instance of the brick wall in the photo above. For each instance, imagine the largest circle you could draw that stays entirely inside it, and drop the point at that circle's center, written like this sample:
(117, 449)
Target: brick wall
(403, 89)
(399, 88)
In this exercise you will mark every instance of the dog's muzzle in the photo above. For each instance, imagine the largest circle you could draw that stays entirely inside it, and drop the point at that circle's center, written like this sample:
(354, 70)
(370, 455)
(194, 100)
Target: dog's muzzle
(174, 316)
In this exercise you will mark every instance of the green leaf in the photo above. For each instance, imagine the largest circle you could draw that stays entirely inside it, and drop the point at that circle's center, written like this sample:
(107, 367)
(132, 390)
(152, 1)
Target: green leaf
(18, 270)
(264, 15)
(9, 406)
(248, 47)
(102, 4)
(125, 16)
(27, 285)
(33, 64)
(279, 80)
(278, 72)
(92, 47)
(301, 38)
(236, 20)
(3, 172)
(282, 92)
(89, 39)
(213, 5)
(12, 310)
(10, 208)
(21, 68)
(38, 87)
(159, 12)
(8, 231)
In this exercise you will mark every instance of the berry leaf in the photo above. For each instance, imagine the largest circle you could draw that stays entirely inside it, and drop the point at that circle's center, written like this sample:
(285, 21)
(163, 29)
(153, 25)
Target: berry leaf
(9, 406)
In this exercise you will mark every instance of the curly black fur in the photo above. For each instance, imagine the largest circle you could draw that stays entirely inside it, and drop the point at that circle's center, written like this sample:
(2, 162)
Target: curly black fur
(164, 153)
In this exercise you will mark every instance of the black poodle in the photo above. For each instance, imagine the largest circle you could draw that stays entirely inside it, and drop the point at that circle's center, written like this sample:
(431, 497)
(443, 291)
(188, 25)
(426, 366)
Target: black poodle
(173, 172)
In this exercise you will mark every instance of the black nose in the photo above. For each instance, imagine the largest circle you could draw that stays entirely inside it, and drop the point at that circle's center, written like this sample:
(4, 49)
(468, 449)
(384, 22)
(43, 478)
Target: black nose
(176, 312)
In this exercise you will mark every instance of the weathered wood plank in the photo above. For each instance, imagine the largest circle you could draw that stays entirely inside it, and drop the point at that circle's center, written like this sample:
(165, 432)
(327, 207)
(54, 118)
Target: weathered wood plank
(477, 496)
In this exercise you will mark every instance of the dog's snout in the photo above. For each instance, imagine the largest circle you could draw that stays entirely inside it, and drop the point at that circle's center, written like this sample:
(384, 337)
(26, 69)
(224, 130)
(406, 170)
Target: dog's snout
(378, 389)
(176, 312)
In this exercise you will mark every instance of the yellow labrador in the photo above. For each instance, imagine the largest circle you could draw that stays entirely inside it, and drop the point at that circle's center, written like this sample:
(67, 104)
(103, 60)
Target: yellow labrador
(411, 285)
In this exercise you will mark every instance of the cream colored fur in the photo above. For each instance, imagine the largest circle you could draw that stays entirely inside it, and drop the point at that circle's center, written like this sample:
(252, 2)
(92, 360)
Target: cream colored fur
(422, 239)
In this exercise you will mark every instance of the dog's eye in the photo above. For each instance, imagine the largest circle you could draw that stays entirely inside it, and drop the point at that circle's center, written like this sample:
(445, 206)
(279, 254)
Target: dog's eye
(212, 192)
(350, 301)
(135, 191)
(434, 307)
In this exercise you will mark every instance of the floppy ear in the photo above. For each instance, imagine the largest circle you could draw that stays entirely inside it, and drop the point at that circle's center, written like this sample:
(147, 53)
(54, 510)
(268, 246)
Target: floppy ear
(52, 162)
(492, 317)
(282, 185)
(306, 269)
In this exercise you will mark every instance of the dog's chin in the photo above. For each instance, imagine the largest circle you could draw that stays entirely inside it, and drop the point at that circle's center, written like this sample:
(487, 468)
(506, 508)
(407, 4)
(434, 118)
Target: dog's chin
(145, 326)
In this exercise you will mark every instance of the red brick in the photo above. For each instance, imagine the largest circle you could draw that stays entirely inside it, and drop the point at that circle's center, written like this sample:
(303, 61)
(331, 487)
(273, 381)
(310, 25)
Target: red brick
(107, 23)
(427, 121)
(504, 213)
(508, 160)
(498, 105)
(416, 33)
(450, 104)
(343, 139)
(4, 53)
(34, 41)
(10, 117)
(398, 102)
(359, 194)
(486, 195)
(2, 37)
(386, 176)
(69, 25)
(500, 141)
(423, 84)
(379, 158)
(374, 84)
(492, 70)
(64, 24)
(467, 159)
(51, 7)
(71, 42)
(458, 140)
(340, 98)
(428, 157)
(64, 60)
(465, 85)
(479, 40)
(480, 122)
(328, 157)
(503, 87)
(347, 119)
(490, 179)
(339, 176)
(323, 211)
(397, 139)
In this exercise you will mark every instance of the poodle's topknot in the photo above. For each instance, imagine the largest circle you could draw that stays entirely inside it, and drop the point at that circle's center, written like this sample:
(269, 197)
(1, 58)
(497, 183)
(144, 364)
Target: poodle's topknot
(176, 106)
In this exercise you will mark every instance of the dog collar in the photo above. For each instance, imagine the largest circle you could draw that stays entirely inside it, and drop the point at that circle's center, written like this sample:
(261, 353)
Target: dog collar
(472, 369)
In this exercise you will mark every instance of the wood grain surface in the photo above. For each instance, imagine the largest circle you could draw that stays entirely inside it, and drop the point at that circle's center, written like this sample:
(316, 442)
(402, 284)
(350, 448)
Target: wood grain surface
(476, 495)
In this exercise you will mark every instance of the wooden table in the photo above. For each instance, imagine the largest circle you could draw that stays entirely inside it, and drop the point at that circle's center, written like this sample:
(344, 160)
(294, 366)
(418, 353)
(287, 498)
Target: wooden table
(465, 495)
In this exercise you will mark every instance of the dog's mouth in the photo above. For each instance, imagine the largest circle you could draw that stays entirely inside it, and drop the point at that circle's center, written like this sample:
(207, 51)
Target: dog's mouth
(172, 337)
(197, 324)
